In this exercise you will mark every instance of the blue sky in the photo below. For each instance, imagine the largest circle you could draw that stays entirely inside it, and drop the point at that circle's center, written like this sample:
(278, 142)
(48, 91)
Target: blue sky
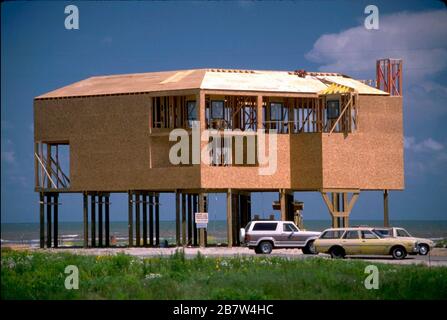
(39, 55)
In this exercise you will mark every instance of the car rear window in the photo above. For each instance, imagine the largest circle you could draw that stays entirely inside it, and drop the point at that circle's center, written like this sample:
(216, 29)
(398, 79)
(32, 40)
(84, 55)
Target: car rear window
(332, 234)
(265, 226)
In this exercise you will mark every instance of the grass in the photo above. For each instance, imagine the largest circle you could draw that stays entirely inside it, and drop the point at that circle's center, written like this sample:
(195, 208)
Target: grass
(40, 275)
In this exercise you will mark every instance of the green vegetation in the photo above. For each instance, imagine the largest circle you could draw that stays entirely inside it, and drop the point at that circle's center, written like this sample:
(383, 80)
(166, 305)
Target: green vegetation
(40, 275)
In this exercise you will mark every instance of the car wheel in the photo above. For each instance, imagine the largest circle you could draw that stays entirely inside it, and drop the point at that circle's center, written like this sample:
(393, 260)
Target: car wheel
(257, 250)
(337, 253)
(309, 248)
(423, 249)
(398, 253)
(265, 247)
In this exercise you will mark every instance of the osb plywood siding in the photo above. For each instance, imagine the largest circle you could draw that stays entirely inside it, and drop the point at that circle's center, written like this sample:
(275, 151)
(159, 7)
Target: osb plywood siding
(372, 157)
(109, 144)
(241, 177)
(306, 161)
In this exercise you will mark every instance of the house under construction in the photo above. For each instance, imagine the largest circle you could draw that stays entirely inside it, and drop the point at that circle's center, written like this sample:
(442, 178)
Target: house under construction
(335, 135)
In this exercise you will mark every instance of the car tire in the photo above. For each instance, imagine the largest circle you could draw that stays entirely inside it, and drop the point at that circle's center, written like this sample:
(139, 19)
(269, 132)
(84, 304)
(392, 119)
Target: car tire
(257, 250)
(423, 249)
(398, 253)
(265, 247)
(337, 253)
(309, 248)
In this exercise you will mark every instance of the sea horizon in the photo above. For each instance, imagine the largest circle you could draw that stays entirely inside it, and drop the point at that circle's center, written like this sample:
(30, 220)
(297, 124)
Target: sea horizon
(71, 232)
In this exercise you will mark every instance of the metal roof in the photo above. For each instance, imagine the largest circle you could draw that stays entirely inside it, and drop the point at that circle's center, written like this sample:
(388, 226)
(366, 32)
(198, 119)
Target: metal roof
(213, 79)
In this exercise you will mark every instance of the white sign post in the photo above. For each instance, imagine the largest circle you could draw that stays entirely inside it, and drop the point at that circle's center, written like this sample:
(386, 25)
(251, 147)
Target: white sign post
(201, 219)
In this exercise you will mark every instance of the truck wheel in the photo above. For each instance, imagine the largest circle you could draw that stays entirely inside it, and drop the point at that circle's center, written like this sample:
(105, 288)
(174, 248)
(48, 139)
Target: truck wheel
(337, 253)
(257, 250)
(265, 247)
(398, 253)
(309, 248)
(423, 249)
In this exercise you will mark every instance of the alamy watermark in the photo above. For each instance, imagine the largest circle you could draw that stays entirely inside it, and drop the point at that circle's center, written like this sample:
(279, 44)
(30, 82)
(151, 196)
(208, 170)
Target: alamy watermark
(372, 20)
(214, 147)
(372, 280)
(72, 18)
(72, 280)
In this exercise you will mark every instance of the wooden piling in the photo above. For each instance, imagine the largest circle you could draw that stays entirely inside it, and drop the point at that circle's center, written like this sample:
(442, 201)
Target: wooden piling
(107, 219)
(93, 218)
(177, 217)
(183, 219)
(56, 219)
(194, 209)
(189, 219)
(144, 201)
(48, 220)
(202, 240)
(157, 220)
(42, 219)
(100, 226)
(229, 219)
(85, 218)
(151, 220)
(137, 219)
(130, 219)
(386, 219)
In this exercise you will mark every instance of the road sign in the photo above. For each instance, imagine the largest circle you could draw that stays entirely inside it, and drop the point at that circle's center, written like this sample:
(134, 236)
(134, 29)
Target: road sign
(201, 219)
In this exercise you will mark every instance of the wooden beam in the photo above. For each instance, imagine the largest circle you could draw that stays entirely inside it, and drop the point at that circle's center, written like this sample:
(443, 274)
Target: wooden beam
(354, 198)
(85, 218)
(341, 114)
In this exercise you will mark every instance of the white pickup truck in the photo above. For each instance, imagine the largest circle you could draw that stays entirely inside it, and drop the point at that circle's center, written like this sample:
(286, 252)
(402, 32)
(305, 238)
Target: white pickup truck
(265, 235)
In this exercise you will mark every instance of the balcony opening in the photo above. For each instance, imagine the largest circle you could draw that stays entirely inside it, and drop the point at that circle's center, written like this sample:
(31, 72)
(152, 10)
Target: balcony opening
(52, 165)
(230, 112)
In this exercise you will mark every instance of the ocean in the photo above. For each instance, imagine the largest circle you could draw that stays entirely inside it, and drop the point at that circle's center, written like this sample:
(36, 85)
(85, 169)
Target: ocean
(71, 233)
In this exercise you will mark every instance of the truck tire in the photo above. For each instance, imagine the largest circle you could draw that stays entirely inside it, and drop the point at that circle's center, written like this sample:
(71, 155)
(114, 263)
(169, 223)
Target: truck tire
(265, 247)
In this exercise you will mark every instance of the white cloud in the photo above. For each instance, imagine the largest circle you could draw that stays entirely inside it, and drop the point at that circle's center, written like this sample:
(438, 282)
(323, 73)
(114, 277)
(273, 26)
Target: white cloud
(427, 145)
(418, 38)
